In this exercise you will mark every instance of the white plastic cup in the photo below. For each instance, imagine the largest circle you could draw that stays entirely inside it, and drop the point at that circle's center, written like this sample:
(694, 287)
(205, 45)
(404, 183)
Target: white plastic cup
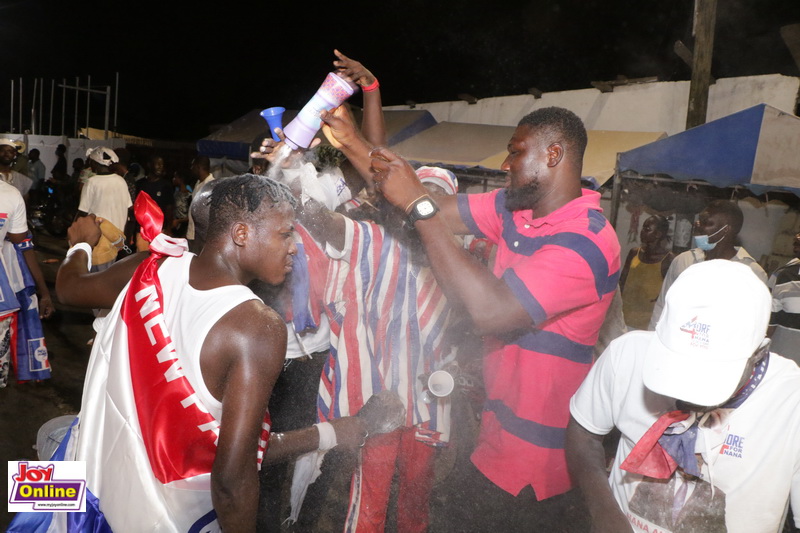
(440, 385)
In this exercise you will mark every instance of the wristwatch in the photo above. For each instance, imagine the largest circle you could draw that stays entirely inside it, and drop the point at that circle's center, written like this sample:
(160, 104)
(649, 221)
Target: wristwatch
(422, 209)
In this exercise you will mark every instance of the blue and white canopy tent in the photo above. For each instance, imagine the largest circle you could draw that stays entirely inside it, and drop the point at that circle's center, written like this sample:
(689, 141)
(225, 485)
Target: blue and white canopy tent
(757, 149)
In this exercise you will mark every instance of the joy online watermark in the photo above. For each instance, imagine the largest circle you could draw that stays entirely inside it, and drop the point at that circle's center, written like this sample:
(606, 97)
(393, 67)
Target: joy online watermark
(50, 486)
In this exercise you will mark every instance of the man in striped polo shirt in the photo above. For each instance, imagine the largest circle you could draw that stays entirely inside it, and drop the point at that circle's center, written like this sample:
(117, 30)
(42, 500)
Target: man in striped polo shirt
(541, 309)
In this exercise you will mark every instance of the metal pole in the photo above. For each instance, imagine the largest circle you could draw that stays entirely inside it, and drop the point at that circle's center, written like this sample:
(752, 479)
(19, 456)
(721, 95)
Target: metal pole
(20, 105)
(77, 84)
(116, 101)
(41, 103)
(88, 102)
(52, 100)
(615, 195)
(11, 123)
(63, 104)
(108, 109)
(33, 106)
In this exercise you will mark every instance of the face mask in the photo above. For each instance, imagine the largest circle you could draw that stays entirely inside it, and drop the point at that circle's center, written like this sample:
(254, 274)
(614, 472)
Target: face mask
(701, 241)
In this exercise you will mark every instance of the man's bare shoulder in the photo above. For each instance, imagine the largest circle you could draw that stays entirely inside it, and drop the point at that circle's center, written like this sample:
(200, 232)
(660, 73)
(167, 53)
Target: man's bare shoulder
(253, 320)
(249, 341)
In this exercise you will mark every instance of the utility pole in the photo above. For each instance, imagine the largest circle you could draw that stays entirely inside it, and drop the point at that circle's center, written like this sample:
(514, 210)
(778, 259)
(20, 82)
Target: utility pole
(705, 15)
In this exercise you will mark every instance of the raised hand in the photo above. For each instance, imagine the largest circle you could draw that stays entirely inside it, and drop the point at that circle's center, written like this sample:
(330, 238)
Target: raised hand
(339, 128)
(395, 178)
(85, 229)
(353, 70)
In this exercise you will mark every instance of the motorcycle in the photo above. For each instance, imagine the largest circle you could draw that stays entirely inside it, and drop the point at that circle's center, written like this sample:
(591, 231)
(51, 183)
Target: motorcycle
(54, 210)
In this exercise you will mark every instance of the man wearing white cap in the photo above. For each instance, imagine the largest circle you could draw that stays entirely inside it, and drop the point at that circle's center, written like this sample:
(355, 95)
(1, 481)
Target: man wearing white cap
(8, 153)
(709, 418)
(105, 194)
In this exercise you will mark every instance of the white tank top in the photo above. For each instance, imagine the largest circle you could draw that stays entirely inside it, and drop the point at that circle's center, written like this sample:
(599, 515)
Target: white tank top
(190, 314)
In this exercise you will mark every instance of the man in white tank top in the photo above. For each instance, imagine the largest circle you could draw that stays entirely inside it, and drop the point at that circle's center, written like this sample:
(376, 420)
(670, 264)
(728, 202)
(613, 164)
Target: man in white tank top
(224, 343)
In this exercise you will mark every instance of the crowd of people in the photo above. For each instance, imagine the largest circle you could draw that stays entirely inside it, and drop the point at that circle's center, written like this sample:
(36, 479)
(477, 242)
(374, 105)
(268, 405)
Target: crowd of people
(270, 338)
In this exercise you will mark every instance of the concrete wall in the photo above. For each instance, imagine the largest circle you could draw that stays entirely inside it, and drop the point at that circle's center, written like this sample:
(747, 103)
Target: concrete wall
(659, 106)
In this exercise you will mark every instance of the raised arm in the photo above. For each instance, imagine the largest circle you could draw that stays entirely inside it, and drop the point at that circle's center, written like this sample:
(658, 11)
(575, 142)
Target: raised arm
(586, 464)
(373, 126)
(76, 286)
(341, 132)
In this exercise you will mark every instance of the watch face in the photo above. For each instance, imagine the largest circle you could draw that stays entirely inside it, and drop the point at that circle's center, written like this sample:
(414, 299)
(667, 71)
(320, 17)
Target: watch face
(425, 208)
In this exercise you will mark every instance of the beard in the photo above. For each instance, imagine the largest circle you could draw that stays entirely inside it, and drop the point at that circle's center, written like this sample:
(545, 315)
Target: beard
(524, 197)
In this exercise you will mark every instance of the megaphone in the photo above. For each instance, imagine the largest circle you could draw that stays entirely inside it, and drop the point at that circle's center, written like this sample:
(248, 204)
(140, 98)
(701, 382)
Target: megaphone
(331, 94)
(274, 118)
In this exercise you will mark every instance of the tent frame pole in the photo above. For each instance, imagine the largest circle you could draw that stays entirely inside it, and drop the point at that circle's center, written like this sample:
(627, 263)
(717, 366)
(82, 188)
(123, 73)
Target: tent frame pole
(616, 193)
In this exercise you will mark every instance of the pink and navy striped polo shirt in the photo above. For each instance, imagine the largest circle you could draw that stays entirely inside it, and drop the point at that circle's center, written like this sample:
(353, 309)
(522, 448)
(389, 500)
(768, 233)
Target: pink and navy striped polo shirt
(563, 268)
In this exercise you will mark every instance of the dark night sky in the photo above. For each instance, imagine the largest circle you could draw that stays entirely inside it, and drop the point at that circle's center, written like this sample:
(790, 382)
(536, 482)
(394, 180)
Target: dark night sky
(184, 67)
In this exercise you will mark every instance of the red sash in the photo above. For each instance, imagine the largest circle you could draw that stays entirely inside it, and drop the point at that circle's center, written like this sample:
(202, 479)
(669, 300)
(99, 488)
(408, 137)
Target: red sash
(178, 432)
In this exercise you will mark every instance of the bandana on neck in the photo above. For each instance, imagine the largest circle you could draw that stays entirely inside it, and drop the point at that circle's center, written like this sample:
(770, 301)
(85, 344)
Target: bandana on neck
(670, 441)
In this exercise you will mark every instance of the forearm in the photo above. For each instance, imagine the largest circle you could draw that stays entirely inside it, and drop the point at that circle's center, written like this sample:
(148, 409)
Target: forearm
(587, 466)
(235, 499)
(357, 152)
(487, 299)
(75, 285)
(373, 126)
(285, 446)
(33, 265)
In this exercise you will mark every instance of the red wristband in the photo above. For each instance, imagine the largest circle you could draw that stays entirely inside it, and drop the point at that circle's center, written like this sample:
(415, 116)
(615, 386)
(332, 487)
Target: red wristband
(371, 87)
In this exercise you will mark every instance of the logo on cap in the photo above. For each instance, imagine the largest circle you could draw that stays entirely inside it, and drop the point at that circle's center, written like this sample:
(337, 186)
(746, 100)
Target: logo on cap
(698, 331)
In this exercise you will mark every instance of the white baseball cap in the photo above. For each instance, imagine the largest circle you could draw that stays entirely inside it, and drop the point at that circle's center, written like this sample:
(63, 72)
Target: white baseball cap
(104, 156)
(715, 317)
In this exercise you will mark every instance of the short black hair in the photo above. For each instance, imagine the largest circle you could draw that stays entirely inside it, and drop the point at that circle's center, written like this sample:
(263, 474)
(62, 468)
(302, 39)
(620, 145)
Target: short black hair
(731, 211)
(661, 222)
(242, 195)
(557, 124)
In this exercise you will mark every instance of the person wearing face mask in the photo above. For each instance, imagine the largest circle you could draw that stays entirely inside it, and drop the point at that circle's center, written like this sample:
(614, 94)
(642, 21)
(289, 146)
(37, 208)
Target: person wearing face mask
(715, 235)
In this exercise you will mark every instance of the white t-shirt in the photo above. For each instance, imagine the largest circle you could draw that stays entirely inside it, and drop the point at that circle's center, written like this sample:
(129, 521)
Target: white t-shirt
(751, 462)
(12, 211)
(107, 196)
